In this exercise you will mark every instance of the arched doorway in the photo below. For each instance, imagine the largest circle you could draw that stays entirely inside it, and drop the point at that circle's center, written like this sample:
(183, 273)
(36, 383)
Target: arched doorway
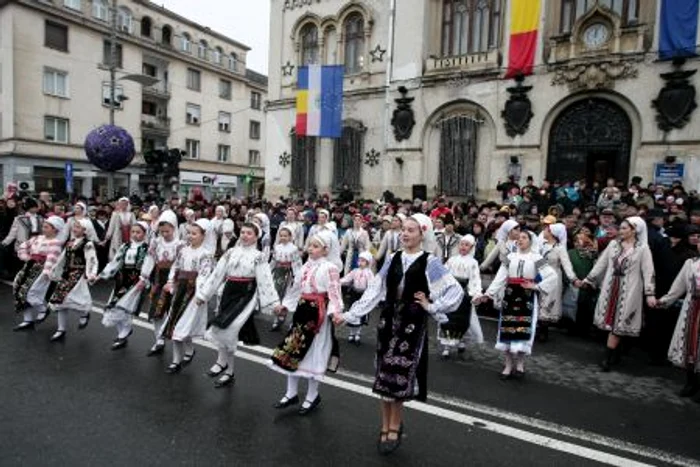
(458, 147)
(590, 139)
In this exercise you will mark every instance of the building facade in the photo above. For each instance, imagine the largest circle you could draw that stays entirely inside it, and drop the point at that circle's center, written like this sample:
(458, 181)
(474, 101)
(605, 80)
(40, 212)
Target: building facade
(427, 109)
(55, 88)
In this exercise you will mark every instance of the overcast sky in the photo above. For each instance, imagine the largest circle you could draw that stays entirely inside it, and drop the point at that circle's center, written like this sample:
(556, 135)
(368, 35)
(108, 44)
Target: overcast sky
(247, 21)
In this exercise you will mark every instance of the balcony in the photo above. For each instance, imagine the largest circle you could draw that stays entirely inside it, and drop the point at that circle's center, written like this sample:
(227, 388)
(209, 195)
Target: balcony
(155, 125)
(480, 62)
(160, 90)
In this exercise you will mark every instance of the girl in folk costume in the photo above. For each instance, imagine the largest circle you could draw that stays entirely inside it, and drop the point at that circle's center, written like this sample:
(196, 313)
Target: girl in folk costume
(684, 350)
(162, 252)
(127, 295)
(248, 285)
(32, 282)
(265, 239)
(227, 239)
(307, 350)
(291, 221)
(183, 230)
(355, 241)
(414, 286)
(357, 282)
(324, 224)
(463, 323)
(215, 229)
(553, 249)
(506, 239)
(285, 265)
(153, 217)
(79, 213)
(187, 320)
(523, 280)
(76, 267)
(624, 273)
(119, 226)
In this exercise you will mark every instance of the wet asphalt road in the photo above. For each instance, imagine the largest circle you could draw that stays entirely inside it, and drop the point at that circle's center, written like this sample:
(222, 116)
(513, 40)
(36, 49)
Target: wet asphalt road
(78, 403)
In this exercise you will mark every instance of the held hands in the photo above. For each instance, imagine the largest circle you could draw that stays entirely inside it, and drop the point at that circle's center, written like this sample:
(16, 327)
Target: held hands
(652, 302)
(92, 279)
(338, 319)
(199, 302)
(168, 288)
(140, 285)
(481, 299)
(529, 285)
(280, 310)
(422, 300)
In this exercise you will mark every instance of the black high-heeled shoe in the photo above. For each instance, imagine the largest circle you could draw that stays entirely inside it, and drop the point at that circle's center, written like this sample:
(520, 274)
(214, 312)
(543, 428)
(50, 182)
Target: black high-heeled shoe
(214, 373)
(286, 402)
(226, 380)
(173, 368)
(187, 358)
(24, 326)
(42, 316)
(58, 336)
(307, 410)
(156, 350)
(84, 321)
(390, 445)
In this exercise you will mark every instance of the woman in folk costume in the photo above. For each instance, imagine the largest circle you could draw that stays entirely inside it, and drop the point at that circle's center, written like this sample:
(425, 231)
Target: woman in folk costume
(684, 350)
(76, 267)
(506, 238)
(357, 282)
(32, 282)
(79, 213)
(129, 289)
(355, 241)
(162, 252)
(187, 320)
(153, 215)
(183, 229)
(119, 226)
(265, 239)
(227, 239)
(624, 273)
(414, 285)
(553, 248)
(248, 286)
(215, 229)
(463, 323)
(286, 264)
(524, 280)
(307, 350)
(324, 224)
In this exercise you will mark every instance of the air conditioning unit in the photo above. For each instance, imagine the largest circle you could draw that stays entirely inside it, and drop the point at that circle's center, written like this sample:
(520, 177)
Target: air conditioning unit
(27, 186)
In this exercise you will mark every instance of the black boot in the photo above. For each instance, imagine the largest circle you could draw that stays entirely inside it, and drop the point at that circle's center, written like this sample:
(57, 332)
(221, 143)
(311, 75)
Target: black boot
(691, 383)
(608, 356)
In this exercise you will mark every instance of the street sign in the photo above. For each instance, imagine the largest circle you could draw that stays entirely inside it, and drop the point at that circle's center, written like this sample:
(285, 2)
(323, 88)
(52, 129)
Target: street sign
(69, 178)
(666, 174)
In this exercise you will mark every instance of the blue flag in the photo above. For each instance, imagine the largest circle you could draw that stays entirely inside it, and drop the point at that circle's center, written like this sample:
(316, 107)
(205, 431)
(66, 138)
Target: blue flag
(678, 29)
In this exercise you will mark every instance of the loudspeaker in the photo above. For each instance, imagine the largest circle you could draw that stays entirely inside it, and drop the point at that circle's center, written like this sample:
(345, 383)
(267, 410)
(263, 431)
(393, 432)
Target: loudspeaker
(420, 192)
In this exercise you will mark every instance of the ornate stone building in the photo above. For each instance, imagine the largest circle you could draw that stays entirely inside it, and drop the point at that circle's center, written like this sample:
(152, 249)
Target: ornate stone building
(427, 110)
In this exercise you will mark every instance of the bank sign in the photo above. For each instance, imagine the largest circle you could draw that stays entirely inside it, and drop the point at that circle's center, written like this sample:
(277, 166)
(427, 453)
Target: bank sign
(667, 174)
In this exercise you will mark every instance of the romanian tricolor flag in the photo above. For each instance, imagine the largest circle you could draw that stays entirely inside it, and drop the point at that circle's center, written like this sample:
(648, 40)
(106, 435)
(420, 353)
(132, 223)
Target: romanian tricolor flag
(320, 101)
(524, 25)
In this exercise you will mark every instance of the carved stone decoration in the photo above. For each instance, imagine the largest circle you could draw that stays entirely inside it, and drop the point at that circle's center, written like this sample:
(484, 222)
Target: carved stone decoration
(285, 159)
(518, 109)
(372, 158)
(594, 75)
(378, 54)
(676, 100)
(287, 69)
(403, 119)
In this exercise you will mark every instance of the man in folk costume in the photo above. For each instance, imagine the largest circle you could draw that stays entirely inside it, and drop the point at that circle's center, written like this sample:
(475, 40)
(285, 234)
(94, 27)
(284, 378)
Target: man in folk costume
(32, 283)
(448, 242)
(25, 226)
(415, 286)
(119, 226)
(391, 241)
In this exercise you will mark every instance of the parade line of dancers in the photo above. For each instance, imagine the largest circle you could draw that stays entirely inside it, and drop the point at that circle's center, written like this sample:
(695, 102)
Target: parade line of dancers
(186, 268)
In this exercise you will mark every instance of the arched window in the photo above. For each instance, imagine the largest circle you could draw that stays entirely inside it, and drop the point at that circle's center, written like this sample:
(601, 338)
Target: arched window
(354, 29)
(167, 35)
(100, 9)
(331, 46)
(186, 43)
(202, 50)
(217, 55)
(146, 24)
(233, 62)
(124, 20)
(309, 44)
(573, 10)
(470, 26)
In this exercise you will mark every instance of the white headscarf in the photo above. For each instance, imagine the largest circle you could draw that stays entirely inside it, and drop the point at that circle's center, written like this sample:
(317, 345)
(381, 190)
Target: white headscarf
(559, 232)
(144, 225)
(291, 228)
(227, 226)
(329, 240)
(640, 228)
(203, 224)
(168, 217)
(367, 256)
(470, 240)
(82, 206)
(504, 230)
(535, 246)
(189, 213)
(426, 227)
(57, 223)
(222, 209)
(264, 223)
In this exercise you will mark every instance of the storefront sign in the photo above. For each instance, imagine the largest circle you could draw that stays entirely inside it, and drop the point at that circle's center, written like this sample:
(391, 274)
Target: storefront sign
(666, 174)
(208, 179)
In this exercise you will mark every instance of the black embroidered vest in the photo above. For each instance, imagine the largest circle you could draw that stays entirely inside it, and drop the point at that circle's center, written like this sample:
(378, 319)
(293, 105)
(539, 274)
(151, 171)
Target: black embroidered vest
(415, 279)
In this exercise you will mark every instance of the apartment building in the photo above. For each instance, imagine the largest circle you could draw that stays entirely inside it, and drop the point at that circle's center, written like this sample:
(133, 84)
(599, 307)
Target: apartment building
(54, 89)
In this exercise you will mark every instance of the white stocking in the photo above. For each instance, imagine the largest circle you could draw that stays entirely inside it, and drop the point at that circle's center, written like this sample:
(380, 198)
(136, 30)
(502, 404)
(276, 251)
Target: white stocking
(29, 315)
(292, 386)
(177, 352)
(62, 320)
(157, 324)
(312, 393)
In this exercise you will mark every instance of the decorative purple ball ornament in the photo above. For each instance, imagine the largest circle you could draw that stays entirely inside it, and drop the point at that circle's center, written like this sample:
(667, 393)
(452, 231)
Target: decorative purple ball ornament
(110, 148)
